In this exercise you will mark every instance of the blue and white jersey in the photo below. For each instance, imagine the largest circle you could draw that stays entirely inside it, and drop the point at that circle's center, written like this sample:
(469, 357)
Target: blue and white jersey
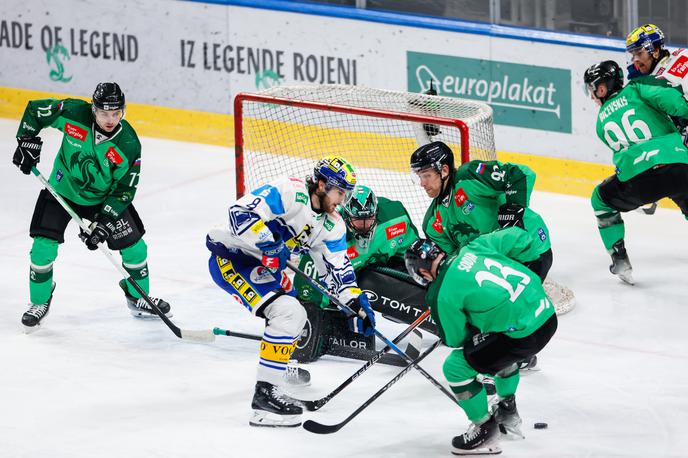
(283, 207)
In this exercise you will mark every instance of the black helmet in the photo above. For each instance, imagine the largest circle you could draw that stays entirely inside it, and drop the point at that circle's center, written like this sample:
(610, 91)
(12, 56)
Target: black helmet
(420, 255)
(108, 96)
(434, 155)
(607, 72)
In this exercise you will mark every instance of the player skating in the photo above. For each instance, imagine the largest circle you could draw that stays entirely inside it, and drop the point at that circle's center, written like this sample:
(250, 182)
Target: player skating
(494, 312)
(650, 158)
(284, 217)
(477, 198)
(97, 171)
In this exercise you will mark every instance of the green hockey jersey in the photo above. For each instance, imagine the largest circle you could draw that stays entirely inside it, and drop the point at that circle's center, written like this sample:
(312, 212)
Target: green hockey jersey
(393, 234)
(634, 123)
(470, 208)
(90, 168)
(486, 285)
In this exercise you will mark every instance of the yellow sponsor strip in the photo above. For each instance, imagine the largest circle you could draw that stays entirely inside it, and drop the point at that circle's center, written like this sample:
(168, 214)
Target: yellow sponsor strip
(279, 353)
(562, 176)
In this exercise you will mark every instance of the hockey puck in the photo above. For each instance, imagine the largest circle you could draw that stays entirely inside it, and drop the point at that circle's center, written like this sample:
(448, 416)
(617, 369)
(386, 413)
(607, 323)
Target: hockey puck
(540, 426)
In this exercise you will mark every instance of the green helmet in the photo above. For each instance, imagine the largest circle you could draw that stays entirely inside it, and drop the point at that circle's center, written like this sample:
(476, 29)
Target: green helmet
(362, 205)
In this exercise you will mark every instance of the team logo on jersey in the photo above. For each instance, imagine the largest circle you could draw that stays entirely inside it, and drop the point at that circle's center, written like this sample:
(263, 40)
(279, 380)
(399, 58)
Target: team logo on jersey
(460, 197)
(58, 175)
(261, 275)
(480, 169)
(75, 131)
(542, 234)
(437, 224)
(680, 67)
(302, 198)
(468, 208)
(351, 252)
(113, 156)
(395, 230)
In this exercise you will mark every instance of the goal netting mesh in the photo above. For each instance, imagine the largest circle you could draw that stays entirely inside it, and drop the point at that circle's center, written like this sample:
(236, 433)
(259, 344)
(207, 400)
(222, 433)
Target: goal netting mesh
(285, 130)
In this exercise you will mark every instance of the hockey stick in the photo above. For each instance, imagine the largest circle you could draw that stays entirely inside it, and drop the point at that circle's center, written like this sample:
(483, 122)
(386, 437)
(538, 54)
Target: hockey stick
(319, 428)
(347, 311)
(314, 405)
(198, 336)
(241, 335)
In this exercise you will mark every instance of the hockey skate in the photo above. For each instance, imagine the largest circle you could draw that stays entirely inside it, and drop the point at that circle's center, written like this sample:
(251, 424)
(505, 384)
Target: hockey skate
(34, 317)
(140, 308)
(273, 408)
(529, 364)
(480, 439)
(507, 417)
(621, 265)
(295, 376)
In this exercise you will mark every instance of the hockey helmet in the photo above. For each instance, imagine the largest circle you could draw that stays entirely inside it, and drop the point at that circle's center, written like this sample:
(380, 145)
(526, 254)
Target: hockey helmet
(607, 72)
(360, 211)
(433, 155)
(647, 36)
(108, 97)
(420, 255)
(335, 171)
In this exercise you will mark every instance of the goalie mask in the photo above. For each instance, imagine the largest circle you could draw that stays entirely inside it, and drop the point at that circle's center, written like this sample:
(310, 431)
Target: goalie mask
(360, 213)
(420, 255)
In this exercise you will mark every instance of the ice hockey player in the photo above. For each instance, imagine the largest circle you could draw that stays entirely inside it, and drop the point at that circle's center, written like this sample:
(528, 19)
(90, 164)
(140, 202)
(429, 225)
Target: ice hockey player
(96, 171)
(650, 158)
(494, 312)
(478, 198)
(266, 226)
(378, 232)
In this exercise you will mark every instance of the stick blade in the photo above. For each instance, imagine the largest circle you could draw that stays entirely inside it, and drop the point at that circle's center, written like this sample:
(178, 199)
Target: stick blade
(319, 428)
(198, 336)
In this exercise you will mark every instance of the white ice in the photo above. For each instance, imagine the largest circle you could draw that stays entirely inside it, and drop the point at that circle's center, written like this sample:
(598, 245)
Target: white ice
(95, 382)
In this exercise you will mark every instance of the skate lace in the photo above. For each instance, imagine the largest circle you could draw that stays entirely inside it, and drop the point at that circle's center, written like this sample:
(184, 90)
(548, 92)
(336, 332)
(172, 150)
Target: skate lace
(473, 432)
(142, 304)
(37, 310)
(280, 397)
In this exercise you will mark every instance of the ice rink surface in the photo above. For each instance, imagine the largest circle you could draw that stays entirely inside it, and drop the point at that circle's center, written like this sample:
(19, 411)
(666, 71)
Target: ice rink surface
(95, 382)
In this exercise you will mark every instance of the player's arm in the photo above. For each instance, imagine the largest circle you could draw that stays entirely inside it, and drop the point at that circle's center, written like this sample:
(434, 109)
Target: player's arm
(37, 115)
(435, 231)
(338, 274)
(512, 242)
(660, 95)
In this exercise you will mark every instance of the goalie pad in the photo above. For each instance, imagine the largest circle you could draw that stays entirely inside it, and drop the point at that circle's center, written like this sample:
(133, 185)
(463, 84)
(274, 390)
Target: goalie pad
(562, 297)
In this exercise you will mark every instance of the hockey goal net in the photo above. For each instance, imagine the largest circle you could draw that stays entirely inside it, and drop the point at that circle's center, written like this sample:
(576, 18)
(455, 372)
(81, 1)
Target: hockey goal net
(286, 130)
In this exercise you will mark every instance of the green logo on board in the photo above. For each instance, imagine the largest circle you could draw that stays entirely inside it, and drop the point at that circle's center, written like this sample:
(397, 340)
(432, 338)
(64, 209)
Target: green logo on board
(54, 56)
(520, 95)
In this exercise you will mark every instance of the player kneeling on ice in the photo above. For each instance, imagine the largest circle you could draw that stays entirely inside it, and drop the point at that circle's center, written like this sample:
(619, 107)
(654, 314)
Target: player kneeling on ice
(379, 230)
(485, 286)
(284, 217)
(96, 171)
(650, 158)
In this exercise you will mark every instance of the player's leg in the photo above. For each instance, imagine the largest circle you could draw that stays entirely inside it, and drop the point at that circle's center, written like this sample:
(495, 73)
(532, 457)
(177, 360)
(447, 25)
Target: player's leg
(482, 435)
(255, 287)
(128, 240)
(48, 225)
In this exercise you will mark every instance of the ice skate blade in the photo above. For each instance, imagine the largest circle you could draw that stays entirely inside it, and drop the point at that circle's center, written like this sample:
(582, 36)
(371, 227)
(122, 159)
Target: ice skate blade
(626, 278)
(484, 450)
(264, 419)
(31, 329)
(147, 316)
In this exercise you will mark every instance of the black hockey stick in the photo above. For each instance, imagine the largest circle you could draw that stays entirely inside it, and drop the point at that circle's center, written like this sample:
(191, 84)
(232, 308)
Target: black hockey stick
(198, 336)
(316, 404)
(241, 335)
(319, 428)
(347, 310)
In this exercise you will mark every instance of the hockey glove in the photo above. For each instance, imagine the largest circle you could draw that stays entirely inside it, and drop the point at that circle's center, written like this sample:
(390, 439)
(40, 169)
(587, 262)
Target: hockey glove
(510, 215)
(101, 230)
(275, 254)
(363, 325)
(28, 153)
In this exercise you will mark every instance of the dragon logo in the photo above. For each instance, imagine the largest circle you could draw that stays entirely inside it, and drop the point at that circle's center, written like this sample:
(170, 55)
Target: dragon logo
(86, 166)
(54, 56)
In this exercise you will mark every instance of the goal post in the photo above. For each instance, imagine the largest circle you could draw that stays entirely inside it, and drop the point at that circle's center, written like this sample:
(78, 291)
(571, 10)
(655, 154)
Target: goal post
(285, 130)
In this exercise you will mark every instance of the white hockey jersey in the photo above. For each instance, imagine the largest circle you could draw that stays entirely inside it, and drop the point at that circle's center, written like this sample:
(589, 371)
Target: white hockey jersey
(674, 69)
(283, 207)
